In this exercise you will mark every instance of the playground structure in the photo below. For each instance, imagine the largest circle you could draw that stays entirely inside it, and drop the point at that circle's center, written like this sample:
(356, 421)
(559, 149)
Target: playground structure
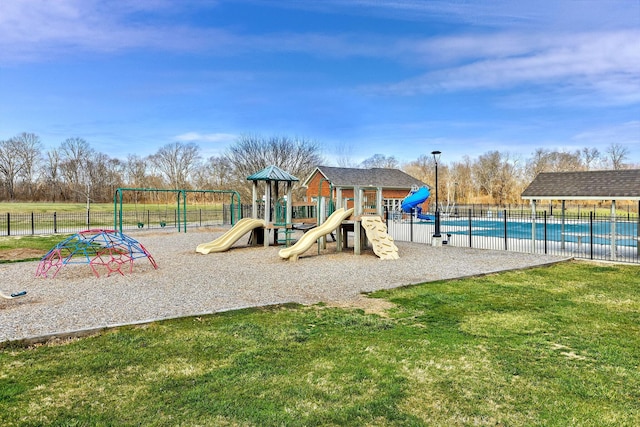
(180, 208)
(366, 223)
(108, 251)
(332, 223)
(277, 214)
(225, 241)
(413, 203)
(382, 243)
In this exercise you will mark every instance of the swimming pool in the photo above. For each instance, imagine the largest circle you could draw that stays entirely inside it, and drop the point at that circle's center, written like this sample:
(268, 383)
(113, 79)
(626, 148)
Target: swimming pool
(571, 231)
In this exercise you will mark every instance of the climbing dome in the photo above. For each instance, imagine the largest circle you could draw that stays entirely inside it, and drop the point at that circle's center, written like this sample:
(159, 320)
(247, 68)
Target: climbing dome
(106, 251)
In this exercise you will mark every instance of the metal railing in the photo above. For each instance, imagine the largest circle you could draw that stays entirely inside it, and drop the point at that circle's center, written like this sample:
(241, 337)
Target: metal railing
(585, 235)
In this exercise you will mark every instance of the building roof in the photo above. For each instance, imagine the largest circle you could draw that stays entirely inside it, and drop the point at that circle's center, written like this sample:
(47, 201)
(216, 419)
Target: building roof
(588, 185)
(272, 173)
(375, 177)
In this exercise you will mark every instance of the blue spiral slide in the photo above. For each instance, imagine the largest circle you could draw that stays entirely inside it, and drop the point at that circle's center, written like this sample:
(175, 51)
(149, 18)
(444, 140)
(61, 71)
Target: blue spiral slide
(414, 200)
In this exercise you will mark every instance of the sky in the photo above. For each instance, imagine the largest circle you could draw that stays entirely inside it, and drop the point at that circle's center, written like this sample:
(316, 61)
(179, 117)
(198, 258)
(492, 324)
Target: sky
(399, 78)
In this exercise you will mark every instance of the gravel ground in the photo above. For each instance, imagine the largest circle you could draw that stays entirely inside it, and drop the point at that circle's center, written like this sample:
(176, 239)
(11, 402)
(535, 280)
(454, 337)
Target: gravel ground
(187, 283)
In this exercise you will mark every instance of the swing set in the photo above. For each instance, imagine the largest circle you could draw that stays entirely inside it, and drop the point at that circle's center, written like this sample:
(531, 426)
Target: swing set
(180, 207)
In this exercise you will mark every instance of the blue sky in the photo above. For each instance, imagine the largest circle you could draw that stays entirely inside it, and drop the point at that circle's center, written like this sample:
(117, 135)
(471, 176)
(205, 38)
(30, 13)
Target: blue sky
(361, 77)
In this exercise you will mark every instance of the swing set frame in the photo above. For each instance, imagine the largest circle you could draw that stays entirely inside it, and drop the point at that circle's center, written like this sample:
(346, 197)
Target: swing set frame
(181, 204)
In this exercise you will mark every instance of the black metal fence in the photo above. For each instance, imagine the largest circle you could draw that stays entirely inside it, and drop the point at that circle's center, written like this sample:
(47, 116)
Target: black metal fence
(21, 224)
(585, 235)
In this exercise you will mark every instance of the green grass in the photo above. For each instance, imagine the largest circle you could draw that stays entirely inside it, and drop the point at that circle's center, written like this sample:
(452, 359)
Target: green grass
(548, 346)
(44, 242)
(37, 207)
(41, 243)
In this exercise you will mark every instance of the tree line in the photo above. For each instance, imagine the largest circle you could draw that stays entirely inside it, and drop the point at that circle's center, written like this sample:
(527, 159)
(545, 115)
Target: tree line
(75, 172)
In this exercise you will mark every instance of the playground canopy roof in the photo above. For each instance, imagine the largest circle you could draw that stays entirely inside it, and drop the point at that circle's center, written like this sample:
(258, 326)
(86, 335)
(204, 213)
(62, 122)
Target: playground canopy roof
(272, 173)
(585, 185)
(375, 177)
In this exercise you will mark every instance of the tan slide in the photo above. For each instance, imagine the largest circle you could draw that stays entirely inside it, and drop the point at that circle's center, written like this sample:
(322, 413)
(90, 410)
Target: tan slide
(310, 237)
(376, 230)
(225, 241)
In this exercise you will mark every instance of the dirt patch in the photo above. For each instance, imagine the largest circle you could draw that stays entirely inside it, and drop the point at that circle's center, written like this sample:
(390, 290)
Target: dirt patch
(369, 305)
(20, 254)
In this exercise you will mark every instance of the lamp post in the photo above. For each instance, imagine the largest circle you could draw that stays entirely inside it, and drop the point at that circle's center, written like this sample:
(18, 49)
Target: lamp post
(436, 157)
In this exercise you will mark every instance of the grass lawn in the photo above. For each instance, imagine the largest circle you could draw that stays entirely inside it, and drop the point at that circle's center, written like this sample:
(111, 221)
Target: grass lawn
(549, 346)
(27, 248)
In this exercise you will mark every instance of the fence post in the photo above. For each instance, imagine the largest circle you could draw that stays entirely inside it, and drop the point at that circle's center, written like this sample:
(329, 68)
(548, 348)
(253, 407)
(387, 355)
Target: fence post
(88, 220)
(33, 226)
(55, 223)
(545, 232)
(411, 226)
(470, 236)
(506, 247)
(591, 234)
(8, 224)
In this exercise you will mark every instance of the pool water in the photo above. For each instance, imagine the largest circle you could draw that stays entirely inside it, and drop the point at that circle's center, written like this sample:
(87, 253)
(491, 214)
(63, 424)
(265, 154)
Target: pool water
(522, 230)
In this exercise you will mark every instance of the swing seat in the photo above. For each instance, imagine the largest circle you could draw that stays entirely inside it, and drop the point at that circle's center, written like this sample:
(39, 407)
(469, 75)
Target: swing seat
(141, 225)
(162, 224)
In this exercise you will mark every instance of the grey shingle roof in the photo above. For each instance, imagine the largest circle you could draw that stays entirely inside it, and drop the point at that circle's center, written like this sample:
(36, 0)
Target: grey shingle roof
(375, 177)
(589, 185)
(272, 173)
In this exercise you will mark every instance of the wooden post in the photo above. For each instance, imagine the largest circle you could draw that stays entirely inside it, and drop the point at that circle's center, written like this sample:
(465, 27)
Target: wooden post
(254, 205)
(357, 211)
(339, 236)
(267, 211)
(322, 217)
(289, 203)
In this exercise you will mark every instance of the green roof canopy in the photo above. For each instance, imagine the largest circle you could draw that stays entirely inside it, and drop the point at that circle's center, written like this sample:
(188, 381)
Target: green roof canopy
(272, 173)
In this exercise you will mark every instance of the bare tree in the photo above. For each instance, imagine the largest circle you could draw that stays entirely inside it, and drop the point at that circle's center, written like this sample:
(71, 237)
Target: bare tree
(176, 162)
(423, 168)
(215, 174)
(251, 154)
(496, 174)
(11, 164)
(616, 156)
(590, 157)
(460, 175)
(52, 180)
(75, 156)
(345, 157)
(28, 148)
(105, 175)
(380, 161)
(135, 171)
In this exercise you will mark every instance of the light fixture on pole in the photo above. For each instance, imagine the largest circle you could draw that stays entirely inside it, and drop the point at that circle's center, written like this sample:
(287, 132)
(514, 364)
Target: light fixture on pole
(436, 157)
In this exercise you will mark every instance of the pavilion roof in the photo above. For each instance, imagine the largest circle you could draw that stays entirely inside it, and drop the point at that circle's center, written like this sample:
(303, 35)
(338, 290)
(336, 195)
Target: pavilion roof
(272, 173)
(621, 184)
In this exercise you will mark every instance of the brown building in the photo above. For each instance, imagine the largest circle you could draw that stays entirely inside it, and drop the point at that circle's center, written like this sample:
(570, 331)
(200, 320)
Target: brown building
(394, 183)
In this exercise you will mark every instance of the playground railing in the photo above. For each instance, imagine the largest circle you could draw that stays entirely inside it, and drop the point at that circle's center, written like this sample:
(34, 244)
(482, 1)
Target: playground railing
(581, 235)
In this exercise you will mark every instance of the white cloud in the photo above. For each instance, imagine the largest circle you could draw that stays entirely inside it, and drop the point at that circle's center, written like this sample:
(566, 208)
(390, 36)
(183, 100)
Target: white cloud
(603, 64)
